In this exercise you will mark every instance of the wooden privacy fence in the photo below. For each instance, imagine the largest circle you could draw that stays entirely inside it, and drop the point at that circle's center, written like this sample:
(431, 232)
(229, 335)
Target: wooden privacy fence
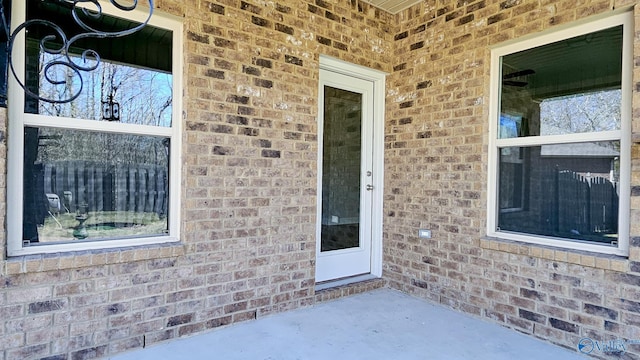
(586, 205)
(107, 187)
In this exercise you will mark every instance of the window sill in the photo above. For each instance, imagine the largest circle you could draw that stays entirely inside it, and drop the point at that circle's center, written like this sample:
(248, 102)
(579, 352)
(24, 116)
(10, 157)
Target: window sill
(80, 259)
(578, 257)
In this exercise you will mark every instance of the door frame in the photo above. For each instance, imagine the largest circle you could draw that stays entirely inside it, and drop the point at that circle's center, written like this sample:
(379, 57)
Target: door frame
(378, 80)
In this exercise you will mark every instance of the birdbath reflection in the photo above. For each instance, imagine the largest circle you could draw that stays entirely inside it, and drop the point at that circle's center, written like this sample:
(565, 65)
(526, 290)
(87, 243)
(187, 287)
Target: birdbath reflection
(80, 231)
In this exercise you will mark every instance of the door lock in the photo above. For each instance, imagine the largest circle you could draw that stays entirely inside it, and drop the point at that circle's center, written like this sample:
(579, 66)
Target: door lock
(369, 187)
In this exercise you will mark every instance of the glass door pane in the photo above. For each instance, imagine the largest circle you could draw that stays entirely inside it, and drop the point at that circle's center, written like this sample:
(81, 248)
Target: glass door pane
(341, 169)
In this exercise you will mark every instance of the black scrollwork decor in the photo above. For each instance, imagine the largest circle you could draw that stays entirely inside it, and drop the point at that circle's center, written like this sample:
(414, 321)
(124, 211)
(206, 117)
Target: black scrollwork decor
(58, 44)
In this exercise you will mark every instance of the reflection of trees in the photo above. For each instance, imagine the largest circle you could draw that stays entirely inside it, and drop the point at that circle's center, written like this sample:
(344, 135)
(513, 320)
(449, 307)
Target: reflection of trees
(61, 144)
(144, 95)
(581, 113)
(572, 114)
(145, 98)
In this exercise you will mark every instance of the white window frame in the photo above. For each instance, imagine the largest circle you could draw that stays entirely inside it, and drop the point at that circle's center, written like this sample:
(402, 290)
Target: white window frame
(18, 119)
(624, 18)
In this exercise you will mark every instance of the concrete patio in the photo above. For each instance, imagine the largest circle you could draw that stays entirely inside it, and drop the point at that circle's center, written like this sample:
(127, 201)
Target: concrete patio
(381, 324)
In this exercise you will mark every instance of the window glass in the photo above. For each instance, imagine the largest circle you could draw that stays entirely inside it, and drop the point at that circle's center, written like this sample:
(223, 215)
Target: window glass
(567, 87)
(581, 113)
(89, 178)
(561, 190)
(559, 147)
(132, 83)
(513, 178)
(81, 185)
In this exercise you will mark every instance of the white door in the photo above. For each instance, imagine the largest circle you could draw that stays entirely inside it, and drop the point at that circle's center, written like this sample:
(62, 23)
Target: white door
(346, 176)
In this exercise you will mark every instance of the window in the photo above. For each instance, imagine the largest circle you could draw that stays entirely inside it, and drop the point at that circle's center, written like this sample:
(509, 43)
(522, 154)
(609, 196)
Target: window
(101, 170)
(559, 168)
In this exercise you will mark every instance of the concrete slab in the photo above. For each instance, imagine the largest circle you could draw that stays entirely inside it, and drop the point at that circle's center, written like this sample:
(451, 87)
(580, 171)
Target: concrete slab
(381, 324)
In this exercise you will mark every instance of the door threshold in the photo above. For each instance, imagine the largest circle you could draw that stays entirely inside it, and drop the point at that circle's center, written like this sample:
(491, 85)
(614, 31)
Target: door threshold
(344, 281)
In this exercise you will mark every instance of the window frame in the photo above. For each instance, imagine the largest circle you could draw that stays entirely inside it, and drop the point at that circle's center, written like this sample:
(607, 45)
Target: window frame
(18, 119)
(624, 18)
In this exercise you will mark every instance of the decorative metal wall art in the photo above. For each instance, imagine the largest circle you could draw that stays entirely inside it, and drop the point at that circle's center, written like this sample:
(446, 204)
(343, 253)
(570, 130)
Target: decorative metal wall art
(59, 44)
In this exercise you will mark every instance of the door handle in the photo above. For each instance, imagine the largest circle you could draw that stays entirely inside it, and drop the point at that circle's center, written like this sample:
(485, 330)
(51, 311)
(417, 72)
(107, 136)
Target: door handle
(369, 187)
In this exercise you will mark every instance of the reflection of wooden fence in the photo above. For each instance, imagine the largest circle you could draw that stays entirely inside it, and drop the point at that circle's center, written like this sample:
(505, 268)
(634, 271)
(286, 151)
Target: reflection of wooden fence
(585, 205)
(103, 187)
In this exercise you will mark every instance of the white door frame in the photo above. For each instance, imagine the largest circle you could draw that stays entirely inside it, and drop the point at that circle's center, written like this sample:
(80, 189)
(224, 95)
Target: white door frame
(377, 180)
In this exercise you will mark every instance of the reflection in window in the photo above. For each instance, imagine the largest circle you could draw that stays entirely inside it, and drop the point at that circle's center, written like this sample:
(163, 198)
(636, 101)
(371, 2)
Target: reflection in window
(562, 88)
(570, 190)
(510, 126)
(558, 185)
(134, 72)
(84, 176)
(341, 159)
(143, 95)
(513, 179)
(81, 185)
(581, 113)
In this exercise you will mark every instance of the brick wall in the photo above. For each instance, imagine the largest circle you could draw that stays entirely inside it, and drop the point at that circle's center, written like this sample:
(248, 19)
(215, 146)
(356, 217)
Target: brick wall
(436, 166)
(249, 191)
(249, 172)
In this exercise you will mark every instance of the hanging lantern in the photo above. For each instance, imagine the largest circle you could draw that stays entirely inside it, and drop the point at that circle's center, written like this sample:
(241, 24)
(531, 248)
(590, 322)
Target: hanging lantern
(110, 110)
